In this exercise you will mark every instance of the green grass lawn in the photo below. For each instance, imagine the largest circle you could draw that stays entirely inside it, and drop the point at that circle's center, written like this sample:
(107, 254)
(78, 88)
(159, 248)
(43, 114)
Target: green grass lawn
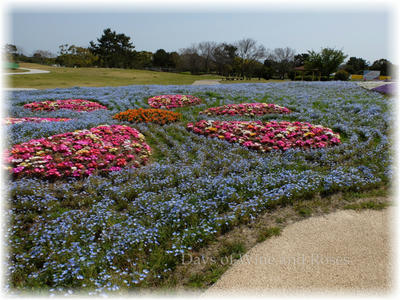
(69, 77)
(15, 71)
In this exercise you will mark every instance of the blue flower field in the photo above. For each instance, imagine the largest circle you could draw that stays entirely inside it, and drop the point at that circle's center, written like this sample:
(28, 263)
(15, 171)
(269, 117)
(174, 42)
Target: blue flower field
(128, 229)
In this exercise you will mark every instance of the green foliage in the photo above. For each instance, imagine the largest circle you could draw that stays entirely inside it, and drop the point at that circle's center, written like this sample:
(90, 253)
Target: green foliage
(342, 75)
(367, 205)
(114, 50)
(327, 61)
(384, 66)
(303, 211)
(74, 56)
(268, 232)
(356, 65)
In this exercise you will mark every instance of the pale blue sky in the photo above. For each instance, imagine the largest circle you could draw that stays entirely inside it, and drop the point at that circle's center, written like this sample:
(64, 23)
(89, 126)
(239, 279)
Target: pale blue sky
(360, 34)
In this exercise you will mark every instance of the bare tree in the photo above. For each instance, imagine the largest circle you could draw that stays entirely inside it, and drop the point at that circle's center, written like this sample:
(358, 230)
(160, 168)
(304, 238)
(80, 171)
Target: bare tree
(206, 50)
(249, 52)
(191, 59)
(284, 58)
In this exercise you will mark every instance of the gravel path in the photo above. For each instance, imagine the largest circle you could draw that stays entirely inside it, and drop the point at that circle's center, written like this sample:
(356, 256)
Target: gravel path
(372, 84)
(31, 71)
(206, 82)
(343, 252)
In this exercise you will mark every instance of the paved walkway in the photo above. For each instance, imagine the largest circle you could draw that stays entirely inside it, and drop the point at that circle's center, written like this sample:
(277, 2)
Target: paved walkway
(18, 89)
(343, 252)
(30, 71)
(369, 85)
(206, 82)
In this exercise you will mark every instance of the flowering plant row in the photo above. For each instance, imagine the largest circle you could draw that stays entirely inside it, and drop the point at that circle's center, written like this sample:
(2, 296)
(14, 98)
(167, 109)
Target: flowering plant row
(151, 115)
(266, 136)
(246, 109)
(10, 121)
(72, 104)
(389, 89)
(173, 101)
(104, 148)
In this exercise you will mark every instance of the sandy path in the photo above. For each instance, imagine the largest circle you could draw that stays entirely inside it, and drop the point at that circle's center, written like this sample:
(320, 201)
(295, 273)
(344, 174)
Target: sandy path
(369, 85)
(342, 252)
(30, 71)
(206, 82)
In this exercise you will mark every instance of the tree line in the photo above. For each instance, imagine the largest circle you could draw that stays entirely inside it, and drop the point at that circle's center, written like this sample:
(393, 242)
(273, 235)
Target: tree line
(245, 58)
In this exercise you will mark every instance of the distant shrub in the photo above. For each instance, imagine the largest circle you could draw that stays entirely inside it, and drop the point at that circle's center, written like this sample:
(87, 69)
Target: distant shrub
(308, 78)
(324, 78)
(342, 75)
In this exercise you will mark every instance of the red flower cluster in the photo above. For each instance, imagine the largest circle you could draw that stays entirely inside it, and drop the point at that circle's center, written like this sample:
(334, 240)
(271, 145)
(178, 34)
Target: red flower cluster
(10, 121)
(104, 148)
(246, 109)
(265, 136)
(173, 101)
(72, 104)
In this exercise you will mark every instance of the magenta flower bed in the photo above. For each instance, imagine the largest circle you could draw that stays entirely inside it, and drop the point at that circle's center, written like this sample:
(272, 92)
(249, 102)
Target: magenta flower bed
(72, 104)
(246, 109)
(173, 101)
(266, 136)
(9, 120)
(104, 148)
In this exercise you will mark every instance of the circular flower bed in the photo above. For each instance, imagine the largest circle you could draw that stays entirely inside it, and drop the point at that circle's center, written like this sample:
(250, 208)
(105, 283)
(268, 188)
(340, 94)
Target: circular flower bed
(151, 115)
(104, 148)
(173, 101)
(266, 136)
(72, 104)
(10, 121)
(246, 109)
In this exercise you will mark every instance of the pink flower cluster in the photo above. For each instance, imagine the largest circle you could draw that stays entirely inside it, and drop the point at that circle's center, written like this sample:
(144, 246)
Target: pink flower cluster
(10, 121)
(72, 104)
(246, 109)
(173, 101)
(100, 149)
(265, 136)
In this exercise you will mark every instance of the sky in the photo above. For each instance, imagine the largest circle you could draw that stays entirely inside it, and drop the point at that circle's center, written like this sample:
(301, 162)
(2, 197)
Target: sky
(363, 34)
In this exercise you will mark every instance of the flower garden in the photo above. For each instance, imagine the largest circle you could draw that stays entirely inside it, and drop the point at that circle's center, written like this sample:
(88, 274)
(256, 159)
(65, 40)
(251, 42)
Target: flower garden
(268, 136)
(246, 109)
(107, 204)
(72, 104)
(9, 121)
(173, 101)
(141, 115)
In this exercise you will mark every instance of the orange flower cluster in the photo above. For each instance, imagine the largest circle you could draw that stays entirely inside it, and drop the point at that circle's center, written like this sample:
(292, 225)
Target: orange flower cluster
(141, 115)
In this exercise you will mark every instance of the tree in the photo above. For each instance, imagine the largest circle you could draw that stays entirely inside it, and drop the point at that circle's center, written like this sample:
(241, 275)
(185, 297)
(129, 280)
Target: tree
(74, 56)
(161, 58)
(355, 65)
(249, 52)
(224, 58)
(114, 50)
(384, 66)
(174, 59)
(191, 60)
(300, 59)
(206, 50)
(43, 57)
(327, 61)
(143, 59)
(11, 52)
(284, 58)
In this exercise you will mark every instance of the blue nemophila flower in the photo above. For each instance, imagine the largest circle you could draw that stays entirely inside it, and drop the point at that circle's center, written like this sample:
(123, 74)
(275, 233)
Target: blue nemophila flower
(127, 229)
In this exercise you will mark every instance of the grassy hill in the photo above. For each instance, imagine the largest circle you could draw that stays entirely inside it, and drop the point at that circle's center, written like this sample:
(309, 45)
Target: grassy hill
(60, 77)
